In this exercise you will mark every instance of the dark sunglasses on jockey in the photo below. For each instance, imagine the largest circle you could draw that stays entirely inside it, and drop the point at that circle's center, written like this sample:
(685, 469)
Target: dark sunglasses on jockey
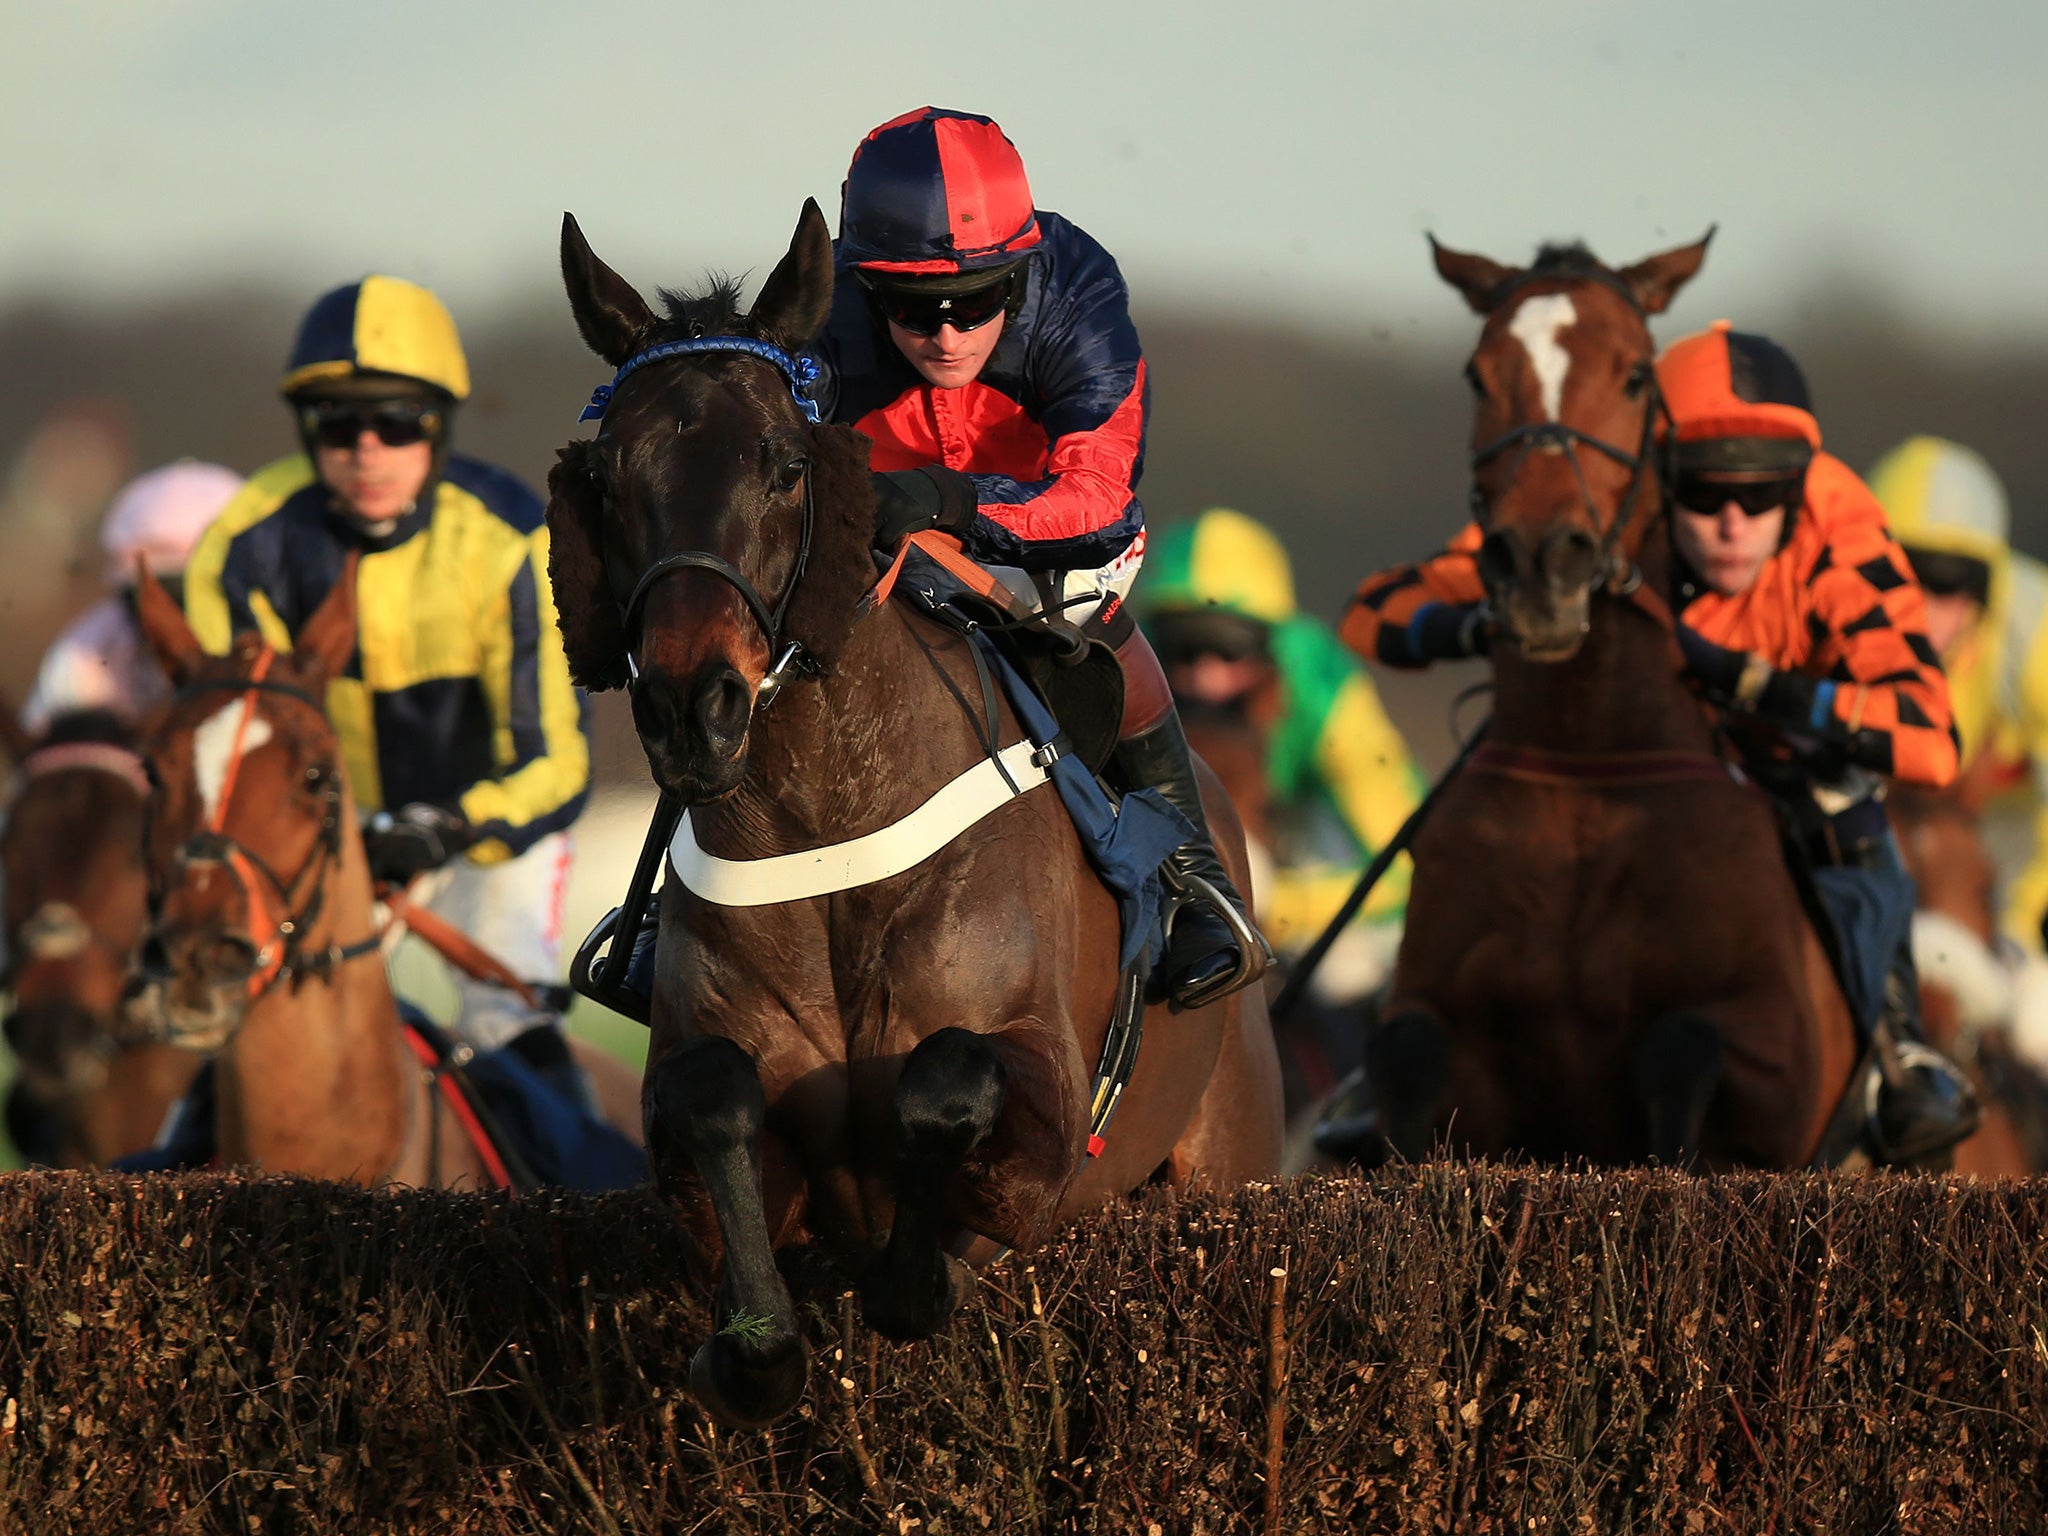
(922, 311)
(1182, 636)
(1708, 494)
(341, 424)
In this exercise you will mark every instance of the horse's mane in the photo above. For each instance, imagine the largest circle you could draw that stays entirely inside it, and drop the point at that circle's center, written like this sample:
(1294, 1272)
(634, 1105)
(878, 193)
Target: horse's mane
(714, 312)
(100, 727)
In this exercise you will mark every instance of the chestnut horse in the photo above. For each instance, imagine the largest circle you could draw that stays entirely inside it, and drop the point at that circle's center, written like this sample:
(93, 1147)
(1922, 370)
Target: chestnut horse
(76, 901)
(265, 951)
(902, 1068)
(1606, 956)
(1965, 988)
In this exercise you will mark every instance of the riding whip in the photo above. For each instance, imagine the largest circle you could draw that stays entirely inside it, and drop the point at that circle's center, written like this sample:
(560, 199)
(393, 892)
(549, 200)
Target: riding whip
(1304, 970)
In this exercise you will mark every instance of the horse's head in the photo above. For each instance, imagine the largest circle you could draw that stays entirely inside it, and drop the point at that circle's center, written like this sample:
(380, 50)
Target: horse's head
(71, 868)
(1564, 436)
(246, 820)
(697, 539)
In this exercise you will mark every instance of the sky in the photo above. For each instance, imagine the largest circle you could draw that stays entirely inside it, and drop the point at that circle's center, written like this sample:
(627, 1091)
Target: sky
(1276, 158)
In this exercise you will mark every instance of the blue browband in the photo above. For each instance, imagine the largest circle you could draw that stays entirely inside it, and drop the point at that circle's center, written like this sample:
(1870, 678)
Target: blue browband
(800, 371)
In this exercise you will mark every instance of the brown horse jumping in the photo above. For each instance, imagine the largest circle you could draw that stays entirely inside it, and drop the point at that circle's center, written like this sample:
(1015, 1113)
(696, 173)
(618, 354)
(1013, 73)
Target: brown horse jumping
(265, 951)
(76, 901)
(1605, 953)
(904, 1067)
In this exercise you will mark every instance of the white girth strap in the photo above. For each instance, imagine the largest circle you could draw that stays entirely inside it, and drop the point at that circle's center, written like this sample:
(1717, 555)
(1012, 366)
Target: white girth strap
(863, 860)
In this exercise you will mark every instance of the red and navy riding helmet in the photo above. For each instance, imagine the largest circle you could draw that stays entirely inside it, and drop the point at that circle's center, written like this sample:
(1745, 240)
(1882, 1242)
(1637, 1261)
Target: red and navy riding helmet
(936, 194)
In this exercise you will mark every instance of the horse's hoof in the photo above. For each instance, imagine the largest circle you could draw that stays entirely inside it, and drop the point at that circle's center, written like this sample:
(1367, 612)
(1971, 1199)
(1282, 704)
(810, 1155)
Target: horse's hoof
(910, 1313)
(747, 1385)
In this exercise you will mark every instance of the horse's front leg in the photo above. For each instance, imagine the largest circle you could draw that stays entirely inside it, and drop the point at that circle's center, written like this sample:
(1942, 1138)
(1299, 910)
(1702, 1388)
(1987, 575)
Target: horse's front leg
(705, 1112)
(946, 1103)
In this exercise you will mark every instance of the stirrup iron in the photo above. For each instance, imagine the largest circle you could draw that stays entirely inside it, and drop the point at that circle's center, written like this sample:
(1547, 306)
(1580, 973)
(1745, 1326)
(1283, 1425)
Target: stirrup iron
(1254, 954)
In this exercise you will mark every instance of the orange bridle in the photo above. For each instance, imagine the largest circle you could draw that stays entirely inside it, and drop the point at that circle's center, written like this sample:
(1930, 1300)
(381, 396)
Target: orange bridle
(277, 928)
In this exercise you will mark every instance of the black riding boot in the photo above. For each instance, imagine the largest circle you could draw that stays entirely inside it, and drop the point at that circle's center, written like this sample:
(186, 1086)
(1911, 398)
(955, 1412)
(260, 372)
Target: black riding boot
(1204, 958)
(1927, 1105)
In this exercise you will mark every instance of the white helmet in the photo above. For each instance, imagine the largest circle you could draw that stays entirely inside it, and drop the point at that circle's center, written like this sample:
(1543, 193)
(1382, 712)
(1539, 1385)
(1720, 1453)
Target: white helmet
(161, 515)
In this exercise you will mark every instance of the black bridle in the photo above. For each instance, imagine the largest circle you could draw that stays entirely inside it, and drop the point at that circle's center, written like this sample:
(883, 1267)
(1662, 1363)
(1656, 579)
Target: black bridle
(786, 656)
(1620, 575)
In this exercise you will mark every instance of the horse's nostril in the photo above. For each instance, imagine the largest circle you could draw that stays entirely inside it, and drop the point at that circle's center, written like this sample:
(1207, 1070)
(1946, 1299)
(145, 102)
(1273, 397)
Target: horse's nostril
(1498, 557)
(723, 706)
(155, 959)
(1571, 558)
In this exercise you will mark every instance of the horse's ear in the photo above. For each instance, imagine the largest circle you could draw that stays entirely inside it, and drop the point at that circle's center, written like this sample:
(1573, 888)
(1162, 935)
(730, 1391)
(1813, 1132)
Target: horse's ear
(327, 640)
(609, 310)
(1479, 278)
(798, 294)
(163, 625)
(592, 636)
(1655, 280)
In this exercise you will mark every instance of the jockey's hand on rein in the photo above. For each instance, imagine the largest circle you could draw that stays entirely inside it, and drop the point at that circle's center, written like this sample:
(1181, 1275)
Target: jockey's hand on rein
(1741, 680)
(911, 500)
(1448, 632)
(413, 839)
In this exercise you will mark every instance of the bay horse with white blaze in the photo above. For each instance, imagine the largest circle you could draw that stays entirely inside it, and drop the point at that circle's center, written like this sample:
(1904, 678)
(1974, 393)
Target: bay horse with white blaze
(1606, 956)
(902, 1068)
(265, 948)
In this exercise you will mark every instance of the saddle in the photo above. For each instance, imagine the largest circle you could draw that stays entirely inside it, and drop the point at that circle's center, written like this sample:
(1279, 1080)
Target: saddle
(1075, 677)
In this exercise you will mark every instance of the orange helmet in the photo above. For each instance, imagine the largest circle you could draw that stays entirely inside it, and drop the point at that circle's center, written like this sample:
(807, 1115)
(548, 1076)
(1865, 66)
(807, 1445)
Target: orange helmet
(1738, 404)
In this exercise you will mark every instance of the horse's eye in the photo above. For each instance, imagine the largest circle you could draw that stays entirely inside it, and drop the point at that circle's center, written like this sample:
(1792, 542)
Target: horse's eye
(791, 474)
(1639, 379)
(1472, 377)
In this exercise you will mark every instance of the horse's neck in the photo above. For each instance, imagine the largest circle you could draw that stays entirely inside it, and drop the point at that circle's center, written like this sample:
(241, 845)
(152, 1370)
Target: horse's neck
(869, 741)
(315, 1080)
(1621, 693)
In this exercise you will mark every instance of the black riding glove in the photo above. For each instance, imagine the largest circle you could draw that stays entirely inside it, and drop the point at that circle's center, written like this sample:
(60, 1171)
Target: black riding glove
(414, 839)
(1441, 632)
(911, 500)
(1791, 701)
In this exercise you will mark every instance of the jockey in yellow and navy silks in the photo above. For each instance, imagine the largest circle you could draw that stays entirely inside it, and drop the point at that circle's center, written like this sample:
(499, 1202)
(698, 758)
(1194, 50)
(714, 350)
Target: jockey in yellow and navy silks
(456, 716)
(1218, 601)
(986, 346)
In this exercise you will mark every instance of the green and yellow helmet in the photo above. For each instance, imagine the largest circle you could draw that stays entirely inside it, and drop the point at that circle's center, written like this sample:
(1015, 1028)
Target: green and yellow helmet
(1948, 507)
(381, 327)
(1221, 559)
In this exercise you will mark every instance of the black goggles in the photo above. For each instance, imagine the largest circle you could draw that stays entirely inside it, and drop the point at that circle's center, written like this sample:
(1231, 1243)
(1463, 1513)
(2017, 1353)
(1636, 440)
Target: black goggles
(1182, 636)
(334, 424)
(1707, 495)
(922, 314)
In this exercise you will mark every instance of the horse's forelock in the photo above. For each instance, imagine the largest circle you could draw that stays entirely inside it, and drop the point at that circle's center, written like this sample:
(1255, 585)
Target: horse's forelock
(1562, 257)
(714, 312)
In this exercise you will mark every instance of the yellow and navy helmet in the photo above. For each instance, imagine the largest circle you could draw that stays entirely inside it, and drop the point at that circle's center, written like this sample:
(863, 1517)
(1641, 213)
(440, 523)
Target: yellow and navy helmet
(380, 326)
(1221, 559)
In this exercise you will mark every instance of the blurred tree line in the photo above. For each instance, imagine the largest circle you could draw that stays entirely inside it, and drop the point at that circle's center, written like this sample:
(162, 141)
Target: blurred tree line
(1351, 445)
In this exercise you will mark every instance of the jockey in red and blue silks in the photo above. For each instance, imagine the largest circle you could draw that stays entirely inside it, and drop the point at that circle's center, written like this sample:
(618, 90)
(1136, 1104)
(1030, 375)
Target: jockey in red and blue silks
(986, 346)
